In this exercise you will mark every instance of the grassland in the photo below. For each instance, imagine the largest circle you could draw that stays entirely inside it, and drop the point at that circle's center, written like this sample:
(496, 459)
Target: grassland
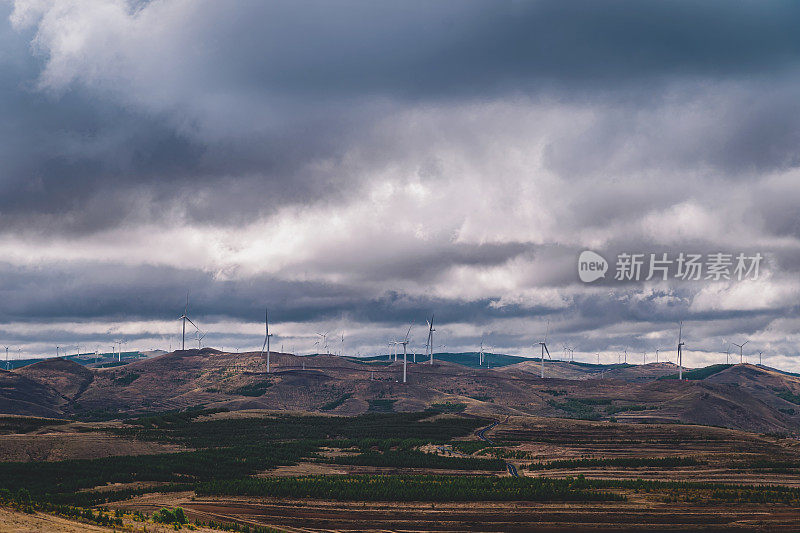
(225, 473)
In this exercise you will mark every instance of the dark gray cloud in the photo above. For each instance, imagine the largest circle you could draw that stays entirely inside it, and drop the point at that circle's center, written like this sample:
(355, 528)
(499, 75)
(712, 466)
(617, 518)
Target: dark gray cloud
(306, 73)
(375, 162)
(422, 49)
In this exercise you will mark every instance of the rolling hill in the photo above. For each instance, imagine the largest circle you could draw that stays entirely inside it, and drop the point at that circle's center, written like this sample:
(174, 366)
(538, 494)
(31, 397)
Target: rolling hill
(741, 397)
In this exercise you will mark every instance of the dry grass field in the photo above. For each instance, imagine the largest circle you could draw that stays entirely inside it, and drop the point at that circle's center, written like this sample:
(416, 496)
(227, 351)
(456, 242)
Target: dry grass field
(624, 451)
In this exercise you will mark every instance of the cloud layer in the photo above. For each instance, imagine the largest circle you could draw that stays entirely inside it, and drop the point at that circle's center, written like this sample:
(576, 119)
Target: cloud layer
(359, 165)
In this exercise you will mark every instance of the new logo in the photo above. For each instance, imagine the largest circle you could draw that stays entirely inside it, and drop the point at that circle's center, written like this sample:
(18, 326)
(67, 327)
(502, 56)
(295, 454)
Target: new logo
(591, 266)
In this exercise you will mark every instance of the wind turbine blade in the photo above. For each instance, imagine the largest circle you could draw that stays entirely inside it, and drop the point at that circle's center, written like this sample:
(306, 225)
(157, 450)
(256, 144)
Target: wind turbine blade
(192, 323)
(546, 350)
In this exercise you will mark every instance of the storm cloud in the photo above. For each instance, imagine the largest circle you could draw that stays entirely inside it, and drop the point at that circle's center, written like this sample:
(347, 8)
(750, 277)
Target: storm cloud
(360, 165)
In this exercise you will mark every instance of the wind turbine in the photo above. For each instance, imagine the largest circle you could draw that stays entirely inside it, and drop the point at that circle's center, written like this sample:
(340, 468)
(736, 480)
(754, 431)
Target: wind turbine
(6, 357)
(341, 349)
(568, 350)
(741, 358)
(680, 352)
(759, 357)
(267, 335)
(324, 337)
(429, 342)
(543, 344)
(199, 338)
(185, 317)
(405, 358)
(480, 354)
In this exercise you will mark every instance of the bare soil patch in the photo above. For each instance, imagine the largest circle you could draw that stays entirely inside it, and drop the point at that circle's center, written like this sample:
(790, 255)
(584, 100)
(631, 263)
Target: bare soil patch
(62, 445)
(642, 512)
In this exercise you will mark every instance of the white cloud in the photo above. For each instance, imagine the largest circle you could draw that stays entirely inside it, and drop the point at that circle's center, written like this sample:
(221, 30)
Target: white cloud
(747, 295)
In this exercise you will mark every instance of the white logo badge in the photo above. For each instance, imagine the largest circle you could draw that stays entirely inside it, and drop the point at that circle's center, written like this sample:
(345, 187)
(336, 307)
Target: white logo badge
(591, 266)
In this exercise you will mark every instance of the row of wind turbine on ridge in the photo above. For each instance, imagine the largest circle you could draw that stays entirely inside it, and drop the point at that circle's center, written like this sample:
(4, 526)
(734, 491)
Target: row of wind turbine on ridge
(429, 346)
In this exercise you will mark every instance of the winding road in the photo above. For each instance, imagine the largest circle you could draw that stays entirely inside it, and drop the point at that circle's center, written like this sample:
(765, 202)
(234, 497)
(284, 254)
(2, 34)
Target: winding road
(481, 434)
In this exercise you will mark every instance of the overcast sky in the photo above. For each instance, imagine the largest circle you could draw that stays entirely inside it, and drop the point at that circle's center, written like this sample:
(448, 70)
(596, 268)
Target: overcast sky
(359, 165)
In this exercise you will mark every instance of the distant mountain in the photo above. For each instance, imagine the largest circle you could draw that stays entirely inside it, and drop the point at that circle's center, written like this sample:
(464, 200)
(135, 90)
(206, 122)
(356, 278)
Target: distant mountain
(86, 359)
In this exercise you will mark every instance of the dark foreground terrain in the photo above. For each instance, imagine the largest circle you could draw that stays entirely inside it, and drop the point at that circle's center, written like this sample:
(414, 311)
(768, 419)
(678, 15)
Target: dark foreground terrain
(436, 470)
(208, 440)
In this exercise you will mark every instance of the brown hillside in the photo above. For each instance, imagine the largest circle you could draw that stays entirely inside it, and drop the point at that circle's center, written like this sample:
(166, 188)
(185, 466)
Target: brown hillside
(67, 377)
(22, 396)
(335, 385)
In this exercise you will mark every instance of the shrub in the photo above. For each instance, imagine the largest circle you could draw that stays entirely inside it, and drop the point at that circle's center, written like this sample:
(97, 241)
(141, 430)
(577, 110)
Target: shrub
(330, 406)
(417, 459)
(447, 407)
(170, 516)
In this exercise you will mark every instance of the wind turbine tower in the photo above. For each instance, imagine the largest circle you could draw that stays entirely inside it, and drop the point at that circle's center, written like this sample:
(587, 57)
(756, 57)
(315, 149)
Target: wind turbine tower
(405, 356)
(741, 346)
(680, 351)
(430, 338)
(543, 344)
(200, 337)
(185, 317)
(267, 335)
